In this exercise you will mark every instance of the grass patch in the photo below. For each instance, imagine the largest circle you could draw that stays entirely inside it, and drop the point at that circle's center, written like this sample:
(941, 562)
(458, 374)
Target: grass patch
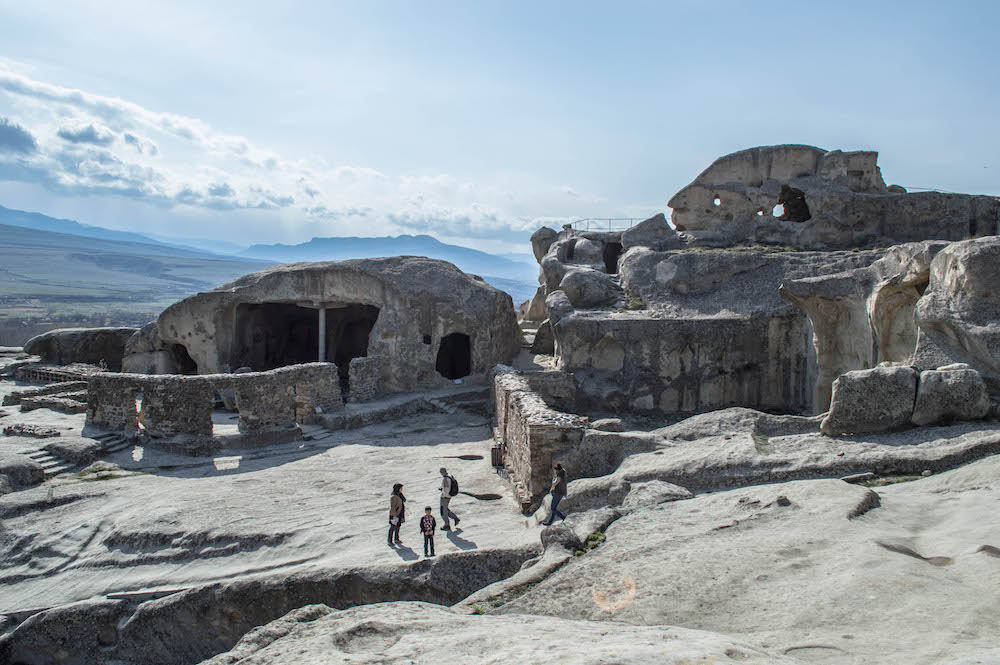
(476, 609)
(593, 541)
(889, 480)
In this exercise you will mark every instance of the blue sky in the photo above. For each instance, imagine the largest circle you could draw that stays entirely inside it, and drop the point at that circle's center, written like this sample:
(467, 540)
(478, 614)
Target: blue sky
(474, 122)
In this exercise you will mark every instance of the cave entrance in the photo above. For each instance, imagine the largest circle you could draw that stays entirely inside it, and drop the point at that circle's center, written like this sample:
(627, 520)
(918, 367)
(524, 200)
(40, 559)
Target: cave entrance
(270, 335)
(454, 357)
(612, 250)
(793, 205)
(183, 361)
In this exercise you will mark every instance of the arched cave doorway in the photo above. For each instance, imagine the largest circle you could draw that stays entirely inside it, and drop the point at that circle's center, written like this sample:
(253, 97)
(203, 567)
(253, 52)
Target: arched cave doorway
(612, 250)
(454, 357)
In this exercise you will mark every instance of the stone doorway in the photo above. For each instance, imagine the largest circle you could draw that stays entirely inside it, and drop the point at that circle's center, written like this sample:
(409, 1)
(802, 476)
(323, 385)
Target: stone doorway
(454, 357)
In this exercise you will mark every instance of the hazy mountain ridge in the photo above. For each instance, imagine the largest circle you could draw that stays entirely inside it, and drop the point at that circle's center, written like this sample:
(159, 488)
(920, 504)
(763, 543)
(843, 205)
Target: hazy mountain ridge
(103, 258)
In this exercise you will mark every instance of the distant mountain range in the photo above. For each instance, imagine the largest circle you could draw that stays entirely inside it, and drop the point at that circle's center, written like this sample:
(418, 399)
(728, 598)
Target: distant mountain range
(336, 249)
(43, 261)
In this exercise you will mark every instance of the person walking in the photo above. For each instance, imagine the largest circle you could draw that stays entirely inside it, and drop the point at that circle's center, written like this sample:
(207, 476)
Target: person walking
(397, 514)
(558, 492)
(427, 526)
(446, 495)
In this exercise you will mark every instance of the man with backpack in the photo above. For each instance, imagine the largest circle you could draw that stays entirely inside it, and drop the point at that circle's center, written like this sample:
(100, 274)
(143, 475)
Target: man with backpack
(449, 488)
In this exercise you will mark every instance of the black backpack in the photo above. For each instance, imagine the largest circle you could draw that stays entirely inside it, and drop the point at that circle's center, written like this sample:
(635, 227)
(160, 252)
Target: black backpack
(453, 490)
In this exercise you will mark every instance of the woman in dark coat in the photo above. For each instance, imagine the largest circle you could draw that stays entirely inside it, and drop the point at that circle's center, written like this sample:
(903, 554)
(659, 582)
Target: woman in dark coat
(397, 513)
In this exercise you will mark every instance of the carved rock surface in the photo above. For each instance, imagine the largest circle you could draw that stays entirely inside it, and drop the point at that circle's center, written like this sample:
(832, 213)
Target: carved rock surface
(959, 314)
(871, 400)
(958, 394)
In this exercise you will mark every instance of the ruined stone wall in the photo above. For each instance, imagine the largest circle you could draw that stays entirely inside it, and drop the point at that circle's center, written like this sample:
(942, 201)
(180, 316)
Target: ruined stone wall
(16, 396)
(365, 378)
(177, 404)
(530, 432)
(111, 401)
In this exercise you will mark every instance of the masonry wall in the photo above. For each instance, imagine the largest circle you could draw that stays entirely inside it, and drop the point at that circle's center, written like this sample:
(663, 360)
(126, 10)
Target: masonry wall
(177, 404)
(366, 378)
(530, 432)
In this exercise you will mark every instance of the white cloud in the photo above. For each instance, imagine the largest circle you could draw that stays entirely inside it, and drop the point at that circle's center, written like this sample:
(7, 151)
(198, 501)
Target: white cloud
(77, 143)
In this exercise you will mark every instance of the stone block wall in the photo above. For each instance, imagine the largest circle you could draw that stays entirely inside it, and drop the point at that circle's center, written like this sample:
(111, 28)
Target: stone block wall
(366, 378)
(111, 401)
(530, 432)
(176, 404)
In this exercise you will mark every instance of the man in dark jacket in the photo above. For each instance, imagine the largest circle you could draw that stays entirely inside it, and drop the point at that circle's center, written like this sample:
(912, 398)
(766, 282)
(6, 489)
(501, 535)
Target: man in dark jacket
(559, 488)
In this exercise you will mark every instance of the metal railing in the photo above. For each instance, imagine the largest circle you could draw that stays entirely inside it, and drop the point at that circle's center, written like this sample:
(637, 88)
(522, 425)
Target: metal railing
(604, 223)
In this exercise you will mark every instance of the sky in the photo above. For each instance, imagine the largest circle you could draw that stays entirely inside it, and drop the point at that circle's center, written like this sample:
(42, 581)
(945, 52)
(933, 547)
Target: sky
(475, 122)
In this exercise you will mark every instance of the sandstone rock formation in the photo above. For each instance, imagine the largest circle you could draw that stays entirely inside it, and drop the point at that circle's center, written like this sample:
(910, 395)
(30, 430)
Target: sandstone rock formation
(94, 346)
(428, 321)
(806, 197)
(702, 320)
(959, 314)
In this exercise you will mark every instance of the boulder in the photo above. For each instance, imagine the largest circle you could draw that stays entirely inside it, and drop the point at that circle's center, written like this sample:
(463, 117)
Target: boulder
(587, 251)
(871, 400)
(587, 288)
(541, 240)
(544, 342)
(94, 346)
(21, 470)
(654, 233)
(946, 395)
(6, 487)
(534, 309)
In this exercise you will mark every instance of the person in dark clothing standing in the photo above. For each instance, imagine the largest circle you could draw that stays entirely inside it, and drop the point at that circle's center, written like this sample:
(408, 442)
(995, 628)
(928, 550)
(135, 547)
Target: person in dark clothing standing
(397, 513)
(446, 481)
(559, 489)
(427, 526)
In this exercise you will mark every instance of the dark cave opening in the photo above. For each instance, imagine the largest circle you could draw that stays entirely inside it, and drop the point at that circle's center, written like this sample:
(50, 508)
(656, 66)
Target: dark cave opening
(270, 335)
(454, 357)
(612, 250)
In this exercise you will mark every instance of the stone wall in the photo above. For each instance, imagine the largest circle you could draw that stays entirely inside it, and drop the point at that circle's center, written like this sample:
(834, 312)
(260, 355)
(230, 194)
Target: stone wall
(365, 378)
(16, 396)
(177, 404)
(530, 433)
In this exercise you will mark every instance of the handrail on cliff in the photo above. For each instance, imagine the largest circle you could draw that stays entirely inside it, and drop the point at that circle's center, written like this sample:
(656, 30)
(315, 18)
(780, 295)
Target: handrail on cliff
(604, 223)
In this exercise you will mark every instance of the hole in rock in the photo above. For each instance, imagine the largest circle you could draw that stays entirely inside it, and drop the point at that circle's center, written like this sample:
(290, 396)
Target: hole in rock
(183, 361)
(427, 339)
(793, 203)
(454, 357)
(778, 211)
(760, 213)
(612, 250)
(717, 201)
